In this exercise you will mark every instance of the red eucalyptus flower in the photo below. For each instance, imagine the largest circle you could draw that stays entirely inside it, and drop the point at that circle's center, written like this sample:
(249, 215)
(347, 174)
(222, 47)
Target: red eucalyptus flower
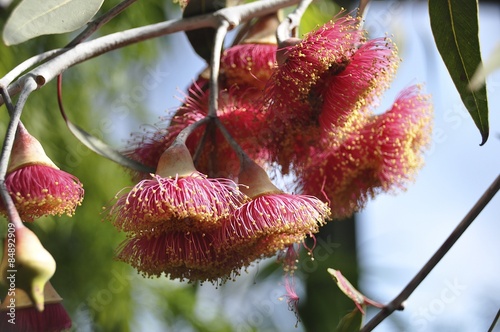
(176, 198)
(184, 255)
(272, 220)
(322, 88)
(237, 110)
(345, 94)
(384, 154)
(250, 64)
(37, 186)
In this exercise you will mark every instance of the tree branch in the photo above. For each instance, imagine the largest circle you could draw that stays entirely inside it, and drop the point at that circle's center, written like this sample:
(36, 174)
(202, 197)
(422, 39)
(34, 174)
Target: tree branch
(91, 28)
(434, 260)
(29, 86)
(215, 67)
(94, 25)
(25, 65)
(88, 50)
(288, 28)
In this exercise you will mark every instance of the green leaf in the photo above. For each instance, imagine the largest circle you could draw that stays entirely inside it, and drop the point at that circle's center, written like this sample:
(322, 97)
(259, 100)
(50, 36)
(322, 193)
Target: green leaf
(102, 149)
(454, 25)
(95, 144)
(351, 322)
(202, 40)
(33, 18)
(317, 14)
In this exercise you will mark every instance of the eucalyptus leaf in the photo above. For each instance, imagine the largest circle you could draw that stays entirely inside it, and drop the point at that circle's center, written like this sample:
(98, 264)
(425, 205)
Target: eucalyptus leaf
(455, 28)
(101, 148)
(351, 322)
(33, 18)
(94, 143)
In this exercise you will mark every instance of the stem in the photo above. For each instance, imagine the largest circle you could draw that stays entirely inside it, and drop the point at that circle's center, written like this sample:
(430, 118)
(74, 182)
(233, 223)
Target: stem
(200, 146)
(91, 28)
(25, 65)
(215, 67)
(184, 134)
(242, 155)
(288, 28)
(495, 321)
(99, 22)
(29, 86)
(434, 260)
(8, 102)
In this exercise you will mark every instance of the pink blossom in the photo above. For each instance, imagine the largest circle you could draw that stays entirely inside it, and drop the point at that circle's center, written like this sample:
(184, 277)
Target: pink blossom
(39, 190)
(189, 203)
(381, 156)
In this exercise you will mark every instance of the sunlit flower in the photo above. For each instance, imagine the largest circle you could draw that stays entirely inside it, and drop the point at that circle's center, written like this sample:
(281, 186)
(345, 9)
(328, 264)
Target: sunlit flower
(192, 202)
(184, 255)
(322, 87)
(37, 186)
(344, 94)
(279, 212)
(272, 220)
(176, 198)
(248, 65)
(328, 48)
(383, 155)
(213, 155)
(53, 318)
(191, 256)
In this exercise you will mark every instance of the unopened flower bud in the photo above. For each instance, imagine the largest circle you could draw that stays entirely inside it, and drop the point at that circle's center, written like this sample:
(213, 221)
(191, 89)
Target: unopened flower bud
(33, 264)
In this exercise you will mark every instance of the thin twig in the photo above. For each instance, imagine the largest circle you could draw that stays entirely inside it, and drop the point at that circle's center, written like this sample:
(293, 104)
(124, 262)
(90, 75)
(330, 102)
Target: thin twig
(362, 12)
(363, 5)
(495, 321)
(90, 49)
(242, 155)
(288, 28)
(184, 134)
(8, 102)
(91, 28)
(199, 147)
(94, 25)
(29, 86)
(213, 103)
(15, 117)
(27, 64)
(438, 255)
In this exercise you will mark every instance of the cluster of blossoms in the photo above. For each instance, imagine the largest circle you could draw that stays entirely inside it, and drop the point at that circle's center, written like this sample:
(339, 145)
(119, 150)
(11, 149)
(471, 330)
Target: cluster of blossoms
(211, 209)
(37, 188)
(189, 226)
